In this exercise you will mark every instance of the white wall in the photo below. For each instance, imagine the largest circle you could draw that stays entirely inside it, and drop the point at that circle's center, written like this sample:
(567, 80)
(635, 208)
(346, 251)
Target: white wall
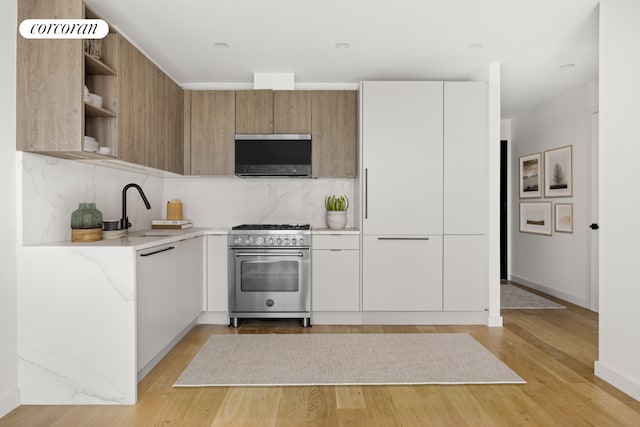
(619, 351)
(229, 201)
(52, 188)
(557, 264)
(9, 395)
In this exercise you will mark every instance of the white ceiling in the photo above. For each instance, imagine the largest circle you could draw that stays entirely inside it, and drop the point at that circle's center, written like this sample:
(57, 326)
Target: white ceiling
(399, 39)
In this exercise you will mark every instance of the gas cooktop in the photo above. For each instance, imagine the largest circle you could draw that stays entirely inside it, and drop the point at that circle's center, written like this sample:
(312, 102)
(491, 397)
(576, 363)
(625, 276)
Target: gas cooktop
(268, 227)
(270, 235)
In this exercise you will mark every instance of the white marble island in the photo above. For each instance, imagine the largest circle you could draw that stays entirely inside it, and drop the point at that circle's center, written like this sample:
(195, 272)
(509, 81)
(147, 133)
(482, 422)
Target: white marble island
(77, 324)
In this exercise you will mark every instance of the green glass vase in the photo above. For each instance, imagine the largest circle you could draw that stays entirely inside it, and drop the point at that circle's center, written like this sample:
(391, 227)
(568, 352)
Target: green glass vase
(86, 216)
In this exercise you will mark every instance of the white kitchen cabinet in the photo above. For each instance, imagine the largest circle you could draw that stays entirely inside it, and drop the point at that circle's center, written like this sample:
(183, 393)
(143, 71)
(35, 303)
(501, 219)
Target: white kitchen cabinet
(402, 274)
(335, 277)
(465, 152)
(402, 125)
(402, 187)
(465, 273)
(217, 275)
(169, 282)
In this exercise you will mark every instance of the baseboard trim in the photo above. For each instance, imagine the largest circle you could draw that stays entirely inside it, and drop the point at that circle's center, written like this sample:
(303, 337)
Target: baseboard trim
(214, 318)
(9, 402)
(617, 379)
(376, 318)
(584, 303)
(149, 366)
(494, 322)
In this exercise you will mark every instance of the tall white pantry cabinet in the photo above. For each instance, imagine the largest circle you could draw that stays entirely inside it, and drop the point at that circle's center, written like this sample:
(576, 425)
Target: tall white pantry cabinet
(423, 175)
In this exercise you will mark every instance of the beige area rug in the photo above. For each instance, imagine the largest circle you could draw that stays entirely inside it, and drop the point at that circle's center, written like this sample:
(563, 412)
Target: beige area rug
(513, 297)
(344, 359)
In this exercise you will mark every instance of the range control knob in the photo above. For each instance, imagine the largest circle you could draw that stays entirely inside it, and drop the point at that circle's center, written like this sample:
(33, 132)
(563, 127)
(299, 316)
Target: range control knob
(269, 303)
(259, 240)
(301, 241)
(249, 240)
(286, 241)
(279, 241)
(294, 241)
(271, 241)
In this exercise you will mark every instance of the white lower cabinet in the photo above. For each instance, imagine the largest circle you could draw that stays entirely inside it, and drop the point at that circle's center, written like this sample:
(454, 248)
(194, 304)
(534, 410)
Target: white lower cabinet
(335, 277)
(402, 273)
(217, 274)
(465, 274)
(169, 281)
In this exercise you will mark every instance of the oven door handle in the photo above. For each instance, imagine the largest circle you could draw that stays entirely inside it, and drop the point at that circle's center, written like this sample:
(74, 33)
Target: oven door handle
(238, 254)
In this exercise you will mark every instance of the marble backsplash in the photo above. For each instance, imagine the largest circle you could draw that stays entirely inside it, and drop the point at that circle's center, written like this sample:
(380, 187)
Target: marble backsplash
(52, 188)
(229, 201)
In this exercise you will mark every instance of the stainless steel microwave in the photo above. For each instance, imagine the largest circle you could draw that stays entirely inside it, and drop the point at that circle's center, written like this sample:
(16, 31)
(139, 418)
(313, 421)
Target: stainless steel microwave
(273, 155)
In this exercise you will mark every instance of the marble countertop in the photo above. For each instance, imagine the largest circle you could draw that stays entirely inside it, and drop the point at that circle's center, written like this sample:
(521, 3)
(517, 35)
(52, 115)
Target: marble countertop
(144, 239)
(331, 231)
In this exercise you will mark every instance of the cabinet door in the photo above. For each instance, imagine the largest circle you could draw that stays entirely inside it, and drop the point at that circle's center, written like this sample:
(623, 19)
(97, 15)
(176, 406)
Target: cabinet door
(334, 130)
(254, 111)
(49, 83)
(217, 274)
(188, 290)
(212, 132)
(150, 113)
(155, 301)
(291, 111)
(335, 283)
(465, 274)
(169, 288)
(465, 158)
(402, 275)
(402, 157)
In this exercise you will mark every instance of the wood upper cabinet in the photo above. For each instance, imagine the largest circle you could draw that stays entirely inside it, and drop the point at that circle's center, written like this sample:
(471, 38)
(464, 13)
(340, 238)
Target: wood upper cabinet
(212, 131)
(151, 124)
(52, 117)
(329, 116)
(141, 118)
(254, 111)
(334, 133)
(267, 111)
(291, 111)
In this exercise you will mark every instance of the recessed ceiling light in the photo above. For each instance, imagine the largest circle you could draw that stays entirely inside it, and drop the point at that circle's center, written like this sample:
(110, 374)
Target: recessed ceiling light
(221, 45)
(475, 46)
(567, 66)
(342, 45)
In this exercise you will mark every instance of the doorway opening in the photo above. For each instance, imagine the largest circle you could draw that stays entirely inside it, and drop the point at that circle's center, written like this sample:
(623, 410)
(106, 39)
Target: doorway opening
(504, 179)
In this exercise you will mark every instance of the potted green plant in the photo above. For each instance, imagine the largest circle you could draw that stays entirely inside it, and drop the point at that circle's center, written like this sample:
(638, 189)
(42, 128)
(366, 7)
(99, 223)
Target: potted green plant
(336, 207)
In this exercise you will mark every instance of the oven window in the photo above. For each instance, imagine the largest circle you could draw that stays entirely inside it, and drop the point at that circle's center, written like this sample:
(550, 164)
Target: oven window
(269, 276)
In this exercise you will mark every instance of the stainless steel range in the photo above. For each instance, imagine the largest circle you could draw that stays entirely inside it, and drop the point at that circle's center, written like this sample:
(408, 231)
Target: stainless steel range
(270, 272)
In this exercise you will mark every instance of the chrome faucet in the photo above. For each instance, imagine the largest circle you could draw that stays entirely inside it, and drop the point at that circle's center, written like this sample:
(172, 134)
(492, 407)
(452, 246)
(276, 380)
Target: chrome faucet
(124, 221)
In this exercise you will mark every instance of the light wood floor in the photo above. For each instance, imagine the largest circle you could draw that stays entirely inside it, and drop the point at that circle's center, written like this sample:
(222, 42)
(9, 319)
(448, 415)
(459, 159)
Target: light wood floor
(553, 350)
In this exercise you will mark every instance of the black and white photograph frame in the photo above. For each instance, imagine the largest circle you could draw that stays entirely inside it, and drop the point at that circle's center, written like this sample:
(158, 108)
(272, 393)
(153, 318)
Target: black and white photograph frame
(535, 218)
(564, 217)
(558, 172)
(531, 176)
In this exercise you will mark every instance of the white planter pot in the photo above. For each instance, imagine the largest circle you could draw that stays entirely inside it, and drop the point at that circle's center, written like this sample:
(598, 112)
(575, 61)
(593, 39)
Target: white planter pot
(336, 220)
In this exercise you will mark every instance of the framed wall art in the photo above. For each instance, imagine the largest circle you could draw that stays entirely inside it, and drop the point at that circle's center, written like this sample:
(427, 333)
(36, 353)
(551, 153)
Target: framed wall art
(535, 217)
(530, 176)
(564, 217)
(558, 172)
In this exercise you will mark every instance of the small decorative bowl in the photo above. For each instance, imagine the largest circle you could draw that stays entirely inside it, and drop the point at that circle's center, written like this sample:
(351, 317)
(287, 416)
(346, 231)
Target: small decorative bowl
(110, 224)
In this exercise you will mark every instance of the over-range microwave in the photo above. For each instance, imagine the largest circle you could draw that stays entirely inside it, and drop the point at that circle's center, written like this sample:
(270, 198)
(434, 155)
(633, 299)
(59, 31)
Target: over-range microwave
(273, 155)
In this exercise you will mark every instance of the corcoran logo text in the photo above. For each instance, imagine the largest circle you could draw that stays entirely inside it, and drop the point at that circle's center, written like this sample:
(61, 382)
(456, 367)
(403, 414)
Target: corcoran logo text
(64, 29)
